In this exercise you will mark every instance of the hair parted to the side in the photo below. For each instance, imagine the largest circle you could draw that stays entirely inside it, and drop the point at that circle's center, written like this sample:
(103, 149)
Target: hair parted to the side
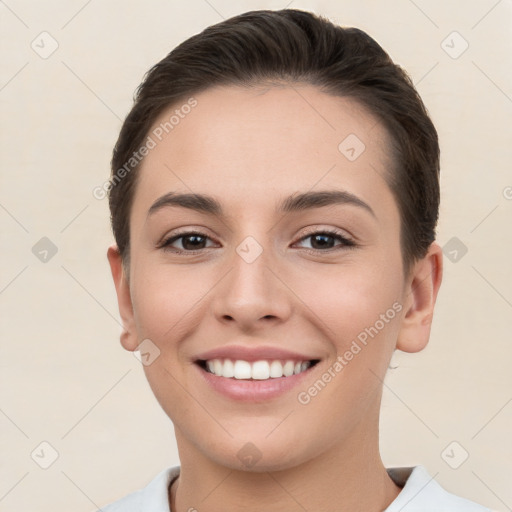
(291, 46)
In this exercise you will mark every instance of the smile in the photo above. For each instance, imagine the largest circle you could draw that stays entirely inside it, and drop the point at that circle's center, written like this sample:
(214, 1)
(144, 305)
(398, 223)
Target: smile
(254, 373)
(256, 370)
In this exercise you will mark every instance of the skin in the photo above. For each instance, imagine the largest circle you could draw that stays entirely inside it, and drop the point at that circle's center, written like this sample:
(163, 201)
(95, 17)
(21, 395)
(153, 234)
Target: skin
(250, 148)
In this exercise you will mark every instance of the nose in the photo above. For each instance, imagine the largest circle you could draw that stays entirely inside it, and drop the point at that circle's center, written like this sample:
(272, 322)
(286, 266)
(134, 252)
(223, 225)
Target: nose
(252, 295)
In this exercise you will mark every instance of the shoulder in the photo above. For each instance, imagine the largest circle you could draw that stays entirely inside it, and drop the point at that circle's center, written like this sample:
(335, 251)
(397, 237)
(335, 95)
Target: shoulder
(421, 493)
(152, 497)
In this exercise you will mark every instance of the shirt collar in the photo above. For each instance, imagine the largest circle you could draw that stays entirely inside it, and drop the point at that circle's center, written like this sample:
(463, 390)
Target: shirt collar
(420, 492)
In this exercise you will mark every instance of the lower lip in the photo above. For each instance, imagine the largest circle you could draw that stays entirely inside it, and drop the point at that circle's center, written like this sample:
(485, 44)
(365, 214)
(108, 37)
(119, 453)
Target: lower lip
(253, 390)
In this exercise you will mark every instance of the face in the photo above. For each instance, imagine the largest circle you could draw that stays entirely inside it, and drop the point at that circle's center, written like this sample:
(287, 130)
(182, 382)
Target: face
(285, 281)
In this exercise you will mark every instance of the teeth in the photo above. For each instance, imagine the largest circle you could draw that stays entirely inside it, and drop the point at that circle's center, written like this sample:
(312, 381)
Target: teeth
(217, 366)
(258, 370)
(228, 369)
(276, 369)
(242, 370)
(288, 368)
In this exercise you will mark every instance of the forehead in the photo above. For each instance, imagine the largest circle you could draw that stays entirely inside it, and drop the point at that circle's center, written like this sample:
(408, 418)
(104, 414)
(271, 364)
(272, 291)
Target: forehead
(248, 144)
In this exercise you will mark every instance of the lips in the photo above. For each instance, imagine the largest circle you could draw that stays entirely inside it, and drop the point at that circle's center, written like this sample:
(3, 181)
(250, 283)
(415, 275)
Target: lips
(251, 354)
(253, 373)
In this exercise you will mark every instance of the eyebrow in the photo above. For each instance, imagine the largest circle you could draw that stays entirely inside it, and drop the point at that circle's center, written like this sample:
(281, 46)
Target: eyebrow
(296, 203)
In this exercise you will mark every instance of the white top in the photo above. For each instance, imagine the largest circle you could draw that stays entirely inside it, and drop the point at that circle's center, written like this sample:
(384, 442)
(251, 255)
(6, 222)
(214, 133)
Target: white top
(420, 493)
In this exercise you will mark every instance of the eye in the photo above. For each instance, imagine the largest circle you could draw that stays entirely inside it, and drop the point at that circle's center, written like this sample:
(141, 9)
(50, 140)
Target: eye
(326, 239)
(190, 241)
(194, 241)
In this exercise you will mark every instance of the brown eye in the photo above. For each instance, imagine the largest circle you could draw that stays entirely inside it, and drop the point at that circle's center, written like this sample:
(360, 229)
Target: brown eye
(325, 240)
(192, 242)
(189, 242)
(322, 241)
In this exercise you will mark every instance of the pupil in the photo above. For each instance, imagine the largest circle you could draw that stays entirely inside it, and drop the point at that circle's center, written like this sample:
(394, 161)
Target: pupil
(196, 239)
(322, 243)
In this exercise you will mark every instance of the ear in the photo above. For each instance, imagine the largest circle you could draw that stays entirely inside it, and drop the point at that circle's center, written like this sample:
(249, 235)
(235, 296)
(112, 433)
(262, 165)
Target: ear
(420, 298)
(129, 334)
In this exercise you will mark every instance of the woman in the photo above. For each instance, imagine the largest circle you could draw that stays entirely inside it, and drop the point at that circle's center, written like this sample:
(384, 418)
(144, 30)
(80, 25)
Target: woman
(274, 197)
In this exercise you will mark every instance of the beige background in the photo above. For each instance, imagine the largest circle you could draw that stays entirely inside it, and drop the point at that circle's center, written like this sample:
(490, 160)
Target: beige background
(64, 378)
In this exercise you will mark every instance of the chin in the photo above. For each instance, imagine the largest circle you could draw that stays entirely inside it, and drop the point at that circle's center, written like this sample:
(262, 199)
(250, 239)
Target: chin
(261, 454)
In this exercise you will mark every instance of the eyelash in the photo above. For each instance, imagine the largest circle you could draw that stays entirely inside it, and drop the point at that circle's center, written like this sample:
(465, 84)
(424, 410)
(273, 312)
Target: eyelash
(346, 243)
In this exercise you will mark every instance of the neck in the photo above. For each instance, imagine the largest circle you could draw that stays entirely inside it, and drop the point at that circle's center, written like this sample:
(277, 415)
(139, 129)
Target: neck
(349, 476)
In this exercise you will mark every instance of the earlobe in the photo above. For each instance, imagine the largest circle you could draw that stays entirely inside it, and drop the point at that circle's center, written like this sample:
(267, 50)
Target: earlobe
(129, 334)
(420, 298)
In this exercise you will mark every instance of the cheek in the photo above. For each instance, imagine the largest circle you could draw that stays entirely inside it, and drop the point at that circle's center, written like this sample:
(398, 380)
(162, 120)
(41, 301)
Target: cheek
(166, 299)
(359, 312)
(345, 300)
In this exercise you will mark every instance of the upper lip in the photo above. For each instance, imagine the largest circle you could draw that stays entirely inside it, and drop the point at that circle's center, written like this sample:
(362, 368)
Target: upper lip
(244, 353)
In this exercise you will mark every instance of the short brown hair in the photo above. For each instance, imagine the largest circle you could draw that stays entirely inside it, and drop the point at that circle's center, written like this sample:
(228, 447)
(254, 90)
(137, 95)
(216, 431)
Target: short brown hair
(294, 46)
